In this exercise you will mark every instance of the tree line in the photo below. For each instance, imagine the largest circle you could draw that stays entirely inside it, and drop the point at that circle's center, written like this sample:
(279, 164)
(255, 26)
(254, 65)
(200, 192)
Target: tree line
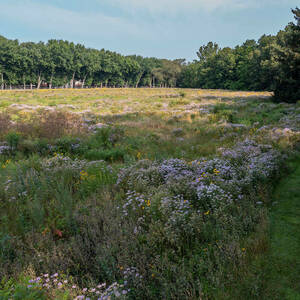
(59, 63)
(272, 63)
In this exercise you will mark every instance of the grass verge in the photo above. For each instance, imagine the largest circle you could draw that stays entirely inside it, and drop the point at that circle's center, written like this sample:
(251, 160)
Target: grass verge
(282, 271)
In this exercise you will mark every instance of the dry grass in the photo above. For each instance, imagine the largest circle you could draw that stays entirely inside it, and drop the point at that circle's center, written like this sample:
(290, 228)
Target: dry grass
(5, 123)
(111, 101)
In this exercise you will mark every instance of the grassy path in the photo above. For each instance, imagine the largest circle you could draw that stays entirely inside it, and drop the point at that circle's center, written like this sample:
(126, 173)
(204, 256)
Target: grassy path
(282, 271)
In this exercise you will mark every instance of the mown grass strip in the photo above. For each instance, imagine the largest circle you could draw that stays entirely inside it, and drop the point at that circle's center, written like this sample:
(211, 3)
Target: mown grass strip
(283, 268)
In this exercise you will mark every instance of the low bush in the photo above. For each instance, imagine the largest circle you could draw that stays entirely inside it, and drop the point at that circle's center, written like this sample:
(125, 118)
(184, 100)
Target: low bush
(111, 155)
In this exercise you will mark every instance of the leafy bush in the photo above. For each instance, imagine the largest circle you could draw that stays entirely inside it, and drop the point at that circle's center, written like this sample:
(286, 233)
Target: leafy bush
(6, 247)
(67, 145)
(19, 291)
(13, 140)
(179, 209)
(37, 146)
(182, 94)
(112, 155)
(107, 137)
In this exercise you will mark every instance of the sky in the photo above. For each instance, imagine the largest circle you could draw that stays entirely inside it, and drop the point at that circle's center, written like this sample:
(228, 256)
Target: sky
(152, 28)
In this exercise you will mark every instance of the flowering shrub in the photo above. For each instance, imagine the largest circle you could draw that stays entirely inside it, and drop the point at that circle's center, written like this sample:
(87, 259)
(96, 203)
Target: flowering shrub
(4, 149)
(61, 162)
(199, 192)
(143, 173)
(56, 284)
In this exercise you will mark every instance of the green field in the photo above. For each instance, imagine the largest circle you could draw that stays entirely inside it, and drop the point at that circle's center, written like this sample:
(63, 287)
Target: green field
(147, 194)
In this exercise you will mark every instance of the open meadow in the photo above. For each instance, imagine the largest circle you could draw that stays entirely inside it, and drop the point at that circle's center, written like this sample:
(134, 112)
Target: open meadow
(140, 193)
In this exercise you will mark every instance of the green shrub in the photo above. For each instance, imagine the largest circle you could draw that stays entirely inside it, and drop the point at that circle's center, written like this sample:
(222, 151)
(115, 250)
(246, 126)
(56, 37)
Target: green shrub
(180, 101)
(13, 140)
(67, 145)
(219, 107)
(182, 94)
(111, 155)
(6, 247)
(38, 146)
(19, 291)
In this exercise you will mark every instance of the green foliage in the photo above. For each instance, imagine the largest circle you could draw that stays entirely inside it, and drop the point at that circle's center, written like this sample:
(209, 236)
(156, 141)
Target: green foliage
(268, 274)
(272, 63)
(38, 146)
(46, 192)
(288, 80)
(167, 194)
(19, 291)
(111, 155)
(180, 101)
(13, 140)
(182, 94)
(61, 63)
(6, 247)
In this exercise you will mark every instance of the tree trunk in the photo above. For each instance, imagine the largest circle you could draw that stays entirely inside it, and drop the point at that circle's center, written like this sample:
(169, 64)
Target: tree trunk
(2, 81)
(72, 81)
(101, 85)
(139, 79)
(50, 84)
(24, 83)
(39, 81)
(83, 82)
(31, 85)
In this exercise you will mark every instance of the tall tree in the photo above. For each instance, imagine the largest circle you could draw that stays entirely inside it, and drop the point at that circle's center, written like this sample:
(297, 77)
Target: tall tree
(207, 51)
(287, 82)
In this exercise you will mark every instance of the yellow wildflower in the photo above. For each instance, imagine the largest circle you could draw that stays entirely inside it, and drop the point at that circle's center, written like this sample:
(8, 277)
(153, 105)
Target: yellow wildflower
(83, 175)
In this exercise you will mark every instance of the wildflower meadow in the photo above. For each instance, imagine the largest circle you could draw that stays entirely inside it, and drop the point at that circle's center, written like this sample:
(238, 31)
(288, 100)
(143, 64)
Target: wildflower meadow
(148, 193)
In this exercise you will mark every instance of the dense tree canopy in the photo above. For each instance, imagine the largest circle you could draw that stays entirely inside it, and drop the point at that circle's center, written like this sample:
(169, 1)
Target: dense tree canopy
(63, 64)
(287, 82)
(250, 66)
(271, 63)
